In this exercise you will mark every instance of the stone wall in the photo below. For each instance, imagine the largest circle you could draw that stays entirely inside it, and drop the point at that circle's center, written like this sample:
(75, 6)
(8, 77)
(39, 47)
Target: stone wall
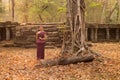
(7, 30)
(25, 35)
(103, 32)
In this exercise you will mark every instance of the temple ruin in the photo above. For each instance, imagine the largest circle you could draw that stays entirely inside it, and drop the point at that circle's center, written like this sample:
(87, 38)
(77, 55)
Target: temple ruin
(24, 35)
(7, 30)
(103, 32)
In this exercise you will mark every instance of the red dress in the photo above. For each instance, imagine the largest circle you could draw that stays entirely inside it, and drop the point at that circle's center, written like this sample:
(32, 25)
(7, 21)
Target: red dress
(40, 46)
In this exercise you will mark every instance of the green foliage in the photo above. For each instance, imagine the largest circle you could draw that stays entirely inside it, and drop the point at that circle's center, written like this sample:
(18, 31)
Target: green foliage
(55, 10)
(1, 8)
(95, 4)
(61, 9)
(34, 10)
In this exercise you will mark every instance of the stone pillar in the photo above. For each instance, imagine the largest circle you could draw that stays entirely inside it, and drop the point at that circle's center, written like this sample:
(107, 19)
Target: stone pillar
(108, 33)
(96, 34)
(92, 34)
(7, 34)
(13, 32)
(117, 34)
(0, 35)
(86, 34)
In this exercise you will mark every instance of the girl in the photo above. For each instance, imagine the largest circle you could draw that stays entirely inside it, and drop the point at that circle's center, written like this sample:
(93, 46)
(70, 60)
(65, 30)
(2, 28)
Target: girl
(40, 40)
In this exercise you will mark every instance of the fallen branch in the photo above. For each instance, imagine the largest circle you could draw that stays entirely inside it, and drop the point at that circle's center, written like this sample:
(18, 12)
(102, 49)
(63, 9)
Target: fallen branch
(66, 61)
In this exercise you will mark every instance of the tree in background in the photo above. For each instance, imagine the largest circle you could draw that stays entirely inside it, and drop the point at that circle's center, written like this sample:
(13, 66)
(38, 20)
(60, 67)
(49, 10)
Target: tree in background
(40, 10)
(0, 6)
(114, 13)
(48, 10)
(104, 11)
(54, 11)
(13, 9)
(2, 10)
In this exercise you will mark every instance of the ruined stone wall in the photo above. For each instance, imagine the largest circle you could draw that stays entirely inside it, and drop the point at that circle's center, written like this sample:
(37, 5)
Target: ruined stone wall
(7, 30)
(103, 32)
(25, 35)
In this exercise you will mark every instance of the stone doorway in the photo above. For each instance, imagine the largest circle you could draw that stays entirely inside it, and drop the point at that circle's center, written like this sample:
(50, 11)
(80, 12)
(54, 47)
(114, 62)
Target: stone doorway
(6, 34)
(2, 34)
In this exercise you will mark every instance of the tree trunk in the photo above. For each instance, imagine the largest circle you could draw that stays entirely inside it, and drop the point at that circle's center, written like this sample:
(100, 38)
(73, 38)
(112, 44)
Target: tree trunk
(117, 9)
(13, 12)
(66, 61)
(26, 11)
(74, 39)
(76, 22)
(26, 18)
(40, 18)
(103, 10)
(9, 7)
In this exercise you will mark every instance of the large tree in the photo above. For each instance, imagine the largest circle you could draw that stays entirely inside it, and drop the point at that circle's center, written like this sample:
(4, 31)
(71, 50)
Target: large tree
(74, 37)
(74, 40)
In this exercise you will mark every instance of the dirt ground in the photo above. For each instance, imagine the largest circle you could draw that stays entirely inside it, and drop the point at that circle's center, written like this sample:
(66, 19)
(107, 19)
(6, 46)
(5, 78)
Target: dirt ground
(18, 64)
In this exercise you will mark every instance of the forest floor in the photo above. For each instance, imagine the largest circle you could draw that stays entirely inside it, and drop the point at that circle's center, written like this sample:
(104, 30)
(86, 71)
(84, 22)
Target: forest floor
(18, 64)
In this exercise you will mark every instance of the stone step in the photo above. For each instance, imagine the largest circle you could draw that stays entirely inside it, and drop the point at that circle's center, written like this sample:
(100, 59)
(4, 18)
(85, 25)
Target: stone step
(58, 45)
(49, 47)
(50, 43)
(29, 33)
(8, 45)
(53, 39)
(52, 33)
(22, 42)
(50, 29)
(49, 26)
(34, 46)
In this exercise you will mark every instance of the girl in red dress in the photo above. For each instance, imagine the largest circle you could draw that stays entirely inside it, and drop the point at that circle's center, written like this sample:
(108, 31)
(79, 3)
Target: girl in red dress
(40, 40)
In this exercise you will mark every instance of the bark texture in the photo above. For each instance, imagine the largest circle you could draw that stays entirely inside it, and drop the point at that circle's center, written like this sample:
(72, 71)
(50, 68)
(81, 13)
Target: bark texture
(74, 40)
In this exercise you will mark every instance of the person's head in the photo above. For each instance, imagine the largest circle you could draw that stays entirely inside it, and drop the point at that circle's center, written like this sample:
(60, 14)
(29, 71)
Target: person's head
(41, 28)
